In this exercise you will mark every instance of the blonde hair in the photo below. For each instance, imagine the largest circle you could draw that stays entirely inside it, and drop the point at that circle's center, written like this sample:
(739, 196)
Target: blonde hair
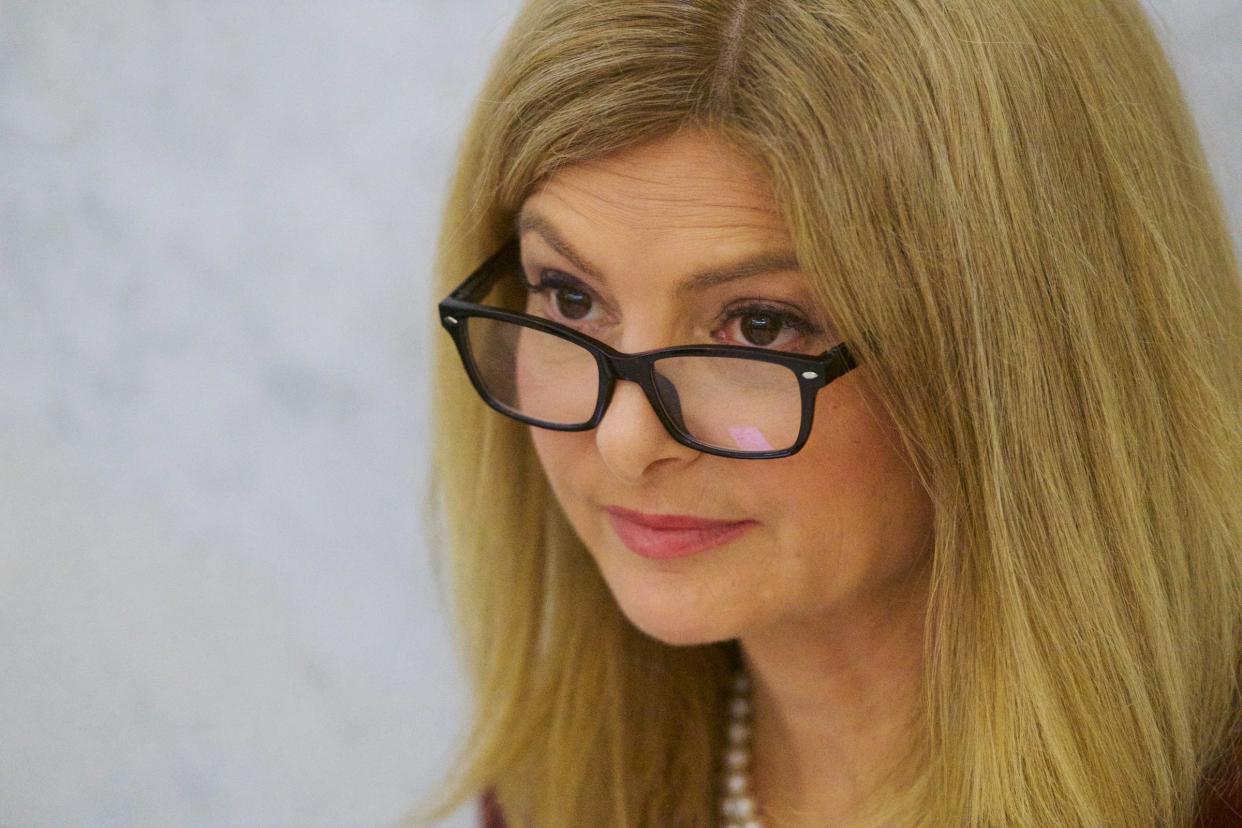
(1007, 209)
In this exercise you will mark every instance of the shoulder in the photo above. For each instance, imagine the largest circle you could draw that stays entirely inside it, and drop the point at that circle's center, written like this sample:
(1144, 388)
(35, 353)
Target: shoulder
(489, 811)
(1222, 802)
(1220, 810)
(1222, 796)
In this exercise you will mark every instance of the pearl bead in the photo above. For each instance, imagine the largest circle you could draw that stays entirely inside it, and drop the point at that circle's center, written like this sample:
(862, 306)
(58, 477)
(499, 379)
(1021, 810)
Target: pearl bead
(736, 805)
(743, 807)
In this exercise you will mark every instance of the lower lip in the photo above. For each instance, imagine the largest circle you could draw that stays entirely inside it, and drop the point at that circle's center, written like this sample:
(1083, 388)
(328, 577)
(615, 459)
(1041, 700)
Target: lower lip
(663, 544)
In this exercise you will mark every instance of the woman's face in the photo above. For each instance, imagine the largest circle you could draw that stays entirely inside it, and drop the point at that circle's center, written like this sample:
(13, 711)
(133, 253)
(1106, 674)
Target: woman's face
(834, 530)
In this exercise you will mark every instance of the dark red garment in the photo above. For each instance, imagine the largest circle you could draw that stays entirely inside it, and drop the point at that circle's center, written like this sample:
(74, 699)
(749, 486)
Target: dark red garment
(1223, 808)
(489, 811)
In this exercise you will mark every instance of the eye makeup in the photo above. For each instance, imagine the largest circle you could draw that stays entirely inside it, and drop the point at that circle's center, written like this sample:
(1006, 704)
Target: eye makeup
(753, 322)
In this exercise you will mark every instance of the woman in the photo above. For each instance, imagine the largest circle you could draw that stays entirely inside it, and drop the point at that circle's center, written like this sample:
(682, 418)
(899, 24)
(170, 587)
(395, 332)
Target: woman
(930, 515)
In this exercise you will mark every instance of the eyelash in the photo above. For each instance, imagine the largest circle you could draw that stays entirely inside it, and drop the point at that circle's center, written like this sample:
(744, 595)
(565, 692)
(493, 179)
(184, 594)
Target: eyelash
(555, 280)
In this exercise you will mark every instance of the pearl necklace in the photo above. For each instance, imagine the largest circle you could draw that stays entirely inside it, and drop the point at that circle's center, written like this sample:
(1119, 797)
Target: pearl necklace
(737, 805)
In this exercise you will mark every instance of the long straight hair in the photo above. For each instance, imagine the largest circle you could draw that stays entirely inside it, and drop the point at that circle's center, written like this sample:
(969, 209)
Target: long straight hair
(1008, 212)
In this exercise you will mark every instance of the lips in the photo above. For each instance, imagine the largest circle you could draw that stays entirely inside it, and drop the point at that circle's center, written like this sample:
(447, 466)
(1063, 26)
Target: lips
(672, 536)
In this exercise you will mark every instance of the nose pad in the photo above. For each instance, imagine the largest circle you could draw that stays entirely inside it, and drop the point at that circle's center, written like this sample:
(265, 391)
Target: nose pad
(670, 399)
(629, 410)
(631, 438)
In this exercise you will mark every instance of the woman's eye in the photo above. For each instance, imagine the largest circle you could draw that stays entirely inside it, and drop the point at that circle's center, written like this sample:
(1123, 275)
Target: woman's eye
(569, 298)
(761, 328)
(565, 298)
(572, 303)
(765, 327)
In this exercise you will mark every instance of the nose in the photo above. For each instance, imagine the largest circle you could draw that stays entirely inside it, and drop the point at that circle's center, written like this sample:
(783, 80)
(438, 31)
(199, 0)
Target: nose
(631, 439)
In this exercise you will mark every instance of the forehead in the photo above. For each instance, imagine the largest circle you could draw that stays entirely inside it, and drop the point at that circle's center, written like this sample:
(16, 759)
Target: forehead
(687, 186)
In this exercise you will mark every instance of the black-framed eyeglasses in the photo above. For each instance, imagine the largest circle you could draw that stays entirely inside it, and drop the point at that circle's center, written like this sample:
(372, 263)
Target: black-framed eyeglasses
(728, 400)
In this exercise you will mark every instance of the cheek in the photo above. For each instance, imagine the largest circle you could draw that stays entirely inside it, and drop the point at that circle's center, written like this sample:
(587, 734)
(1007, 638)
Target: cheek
(566, 458)
(561, 454)
(547, 450)
(850, 494)
(554, 381)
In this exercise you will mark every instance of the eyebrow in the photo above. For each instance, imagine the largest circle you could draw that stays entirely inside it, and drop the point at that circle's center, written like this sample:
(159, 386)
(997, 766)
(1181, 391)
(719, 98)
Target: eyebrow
(771, 261)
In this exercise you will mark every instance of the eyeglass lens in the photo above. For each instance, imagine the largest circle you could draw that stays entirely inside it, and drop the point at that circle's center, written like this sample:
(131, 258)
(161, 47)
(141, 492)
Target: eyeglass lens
(730, 403)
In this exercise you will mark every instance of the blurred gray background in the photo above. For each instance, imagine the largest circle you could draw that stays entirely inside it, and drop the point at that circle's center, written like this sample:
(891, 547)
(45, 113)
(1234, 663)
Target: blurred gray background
(216, 220)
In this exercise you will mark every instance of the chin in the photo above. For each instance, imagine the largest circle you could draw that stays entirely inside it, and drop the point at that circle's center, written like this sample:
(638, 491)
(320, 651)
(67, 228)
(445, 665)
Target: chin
(677, 623)
(673, 602)
(680, 635)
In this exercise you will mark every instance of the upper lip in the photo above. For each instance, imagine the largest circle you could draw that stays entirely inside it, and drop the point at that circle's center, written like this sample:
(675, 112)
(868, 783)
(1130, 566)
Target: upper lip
(668, 521)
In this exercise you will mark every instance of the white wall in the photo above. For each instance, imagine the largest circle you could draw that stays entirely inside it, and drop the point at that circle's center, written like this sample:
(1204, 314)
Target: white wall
(215, 229)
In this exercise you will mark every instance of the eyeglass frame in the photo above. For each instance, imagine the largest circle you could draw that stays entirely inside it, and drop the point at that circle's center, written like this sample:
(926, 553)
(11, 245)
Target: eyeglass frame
(812, 372)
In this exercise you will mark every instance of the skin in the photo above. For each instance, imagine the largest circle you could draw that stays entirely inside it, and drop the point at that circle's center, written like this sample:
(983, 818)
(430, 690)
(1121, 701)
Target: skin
(827, 592)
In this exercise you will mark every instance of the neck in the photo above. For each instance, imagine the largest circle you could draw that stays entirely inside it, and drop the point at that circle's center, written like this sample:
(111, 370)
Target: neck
(833, 699)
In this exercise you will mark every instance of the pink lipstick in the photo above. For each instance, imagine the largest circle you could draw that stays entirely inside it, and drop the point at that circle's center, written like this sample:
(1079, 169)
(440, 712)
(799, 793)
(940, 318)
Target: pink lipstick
(672, 536)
